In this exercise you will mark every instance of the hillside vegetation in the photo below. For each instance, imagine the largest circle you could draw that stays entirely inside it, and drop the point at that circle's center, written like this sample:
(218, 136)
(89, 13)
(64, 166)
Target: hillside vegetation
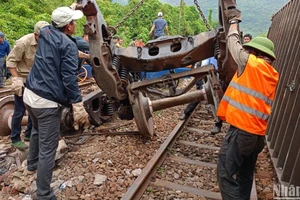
(256, 14)
(17, 18)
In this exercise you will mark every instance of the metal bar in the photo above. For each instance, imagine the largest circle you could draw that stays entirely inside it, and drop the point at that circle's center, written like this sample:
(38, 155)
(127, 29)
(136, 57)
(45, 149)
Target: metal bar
(292, 154)
(283, 55)
(295, 177)
(283, 136)
(196, 73)
(293, 52)
(291, 113)
(277, 30)
(196, 96)
(274, 160)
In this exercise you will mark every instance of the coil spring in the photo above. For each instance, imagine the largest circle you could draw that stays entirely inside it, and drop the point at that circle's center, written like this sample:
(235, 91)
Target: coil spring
(116, 62)
(124, 74)
(109, 109)
(216, 49)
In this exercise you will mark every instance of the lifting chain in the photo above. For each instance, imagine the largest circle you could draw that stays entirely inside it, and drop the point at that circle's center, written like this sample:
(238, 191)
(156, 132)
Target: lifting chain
(129, 14)
(202, 15)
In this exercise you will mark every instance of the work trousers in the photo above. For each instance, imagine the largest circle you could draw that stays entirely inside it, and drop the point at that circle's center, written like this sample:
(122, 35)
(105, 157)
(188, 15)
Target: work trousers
(236, 163)
(43, 146)
(191, 106)
(2, 71)
(17, 117)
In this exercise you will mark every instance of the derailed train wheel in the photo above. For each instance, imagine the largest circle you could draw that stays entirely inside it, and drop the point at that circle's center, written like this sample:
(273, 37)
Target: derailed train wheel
(143, 115)
(6, 109)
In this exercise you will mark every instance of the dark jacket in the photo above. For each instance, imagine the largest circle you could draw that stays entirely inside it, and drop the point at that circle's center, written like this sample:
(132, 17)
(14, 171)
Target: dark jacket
(54, 73)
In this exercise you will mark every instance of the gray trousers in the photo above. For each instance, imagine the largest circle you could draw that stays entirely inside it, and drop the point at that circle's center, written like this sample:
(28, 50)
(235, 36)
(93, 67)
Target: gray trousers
(42, 149)
(236, 163)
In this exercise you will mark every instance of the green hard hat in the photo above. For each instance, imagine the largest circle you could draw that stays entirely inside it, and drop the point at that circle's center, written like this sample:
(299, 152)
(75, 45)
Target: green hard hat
(262, 44)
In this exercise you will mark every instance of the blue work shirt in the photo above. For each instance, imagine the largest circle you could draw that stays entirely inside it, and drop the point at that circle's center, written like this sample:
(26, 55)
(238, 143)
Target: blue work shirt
(82, 44)
(4, 49)
(214, 62)
(210, 61)
(159, 24)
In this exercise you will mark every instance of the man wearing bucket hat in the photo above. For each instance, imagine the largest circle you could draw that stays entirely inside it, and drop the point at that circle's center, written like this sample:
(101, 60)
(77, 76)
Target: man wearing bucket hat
(158, 26)
(19, 63)
(52, 82)
(246, 106)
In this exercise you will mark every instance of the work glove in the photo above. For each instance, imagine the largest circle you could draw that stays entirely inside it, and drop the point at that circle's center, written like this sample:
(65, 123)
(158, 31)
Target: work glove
(17, 85)
(233, 14)
(80, 116)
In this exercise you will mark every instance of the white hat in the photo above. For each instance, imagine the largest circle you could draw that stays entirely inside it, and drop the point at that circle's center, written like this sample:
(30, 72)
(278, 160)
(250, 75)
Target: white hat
(159, 14)
(64, 15)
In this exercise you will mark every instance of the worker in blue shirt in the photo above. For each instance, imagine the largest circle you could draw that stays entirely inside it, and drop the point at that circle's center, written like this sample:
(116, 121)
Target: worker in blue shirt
(4, 51)
(158, 26)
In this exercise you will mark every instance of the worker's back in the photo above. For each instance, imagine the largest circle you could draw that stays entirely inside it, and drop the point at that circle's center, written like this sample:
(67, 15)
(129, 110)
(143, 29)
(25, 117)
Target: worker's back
(159, 26)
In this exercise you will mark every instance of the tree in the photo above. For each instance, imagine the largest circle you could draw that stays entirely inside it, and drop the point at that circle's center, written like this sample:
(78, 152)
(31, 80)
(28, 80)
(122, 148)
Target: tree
(18, 18)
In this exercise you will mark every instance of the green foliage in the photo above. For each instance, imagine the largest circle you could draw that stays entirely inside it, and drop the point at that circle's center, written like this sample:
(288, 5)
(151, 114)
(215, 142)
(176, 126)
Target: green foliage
(17, 18)
(161, 170)
(181, 21)
(256, 14)
(149, 190)
(157, 113)
(171, 150)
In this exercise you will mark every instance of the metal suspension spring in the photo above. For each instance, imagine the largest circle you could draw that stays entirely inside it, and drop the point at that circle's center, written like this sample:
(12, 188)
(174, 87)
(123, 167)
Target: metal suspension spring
(116, 62)
(216, 49)
(124, 74)
(109, 109)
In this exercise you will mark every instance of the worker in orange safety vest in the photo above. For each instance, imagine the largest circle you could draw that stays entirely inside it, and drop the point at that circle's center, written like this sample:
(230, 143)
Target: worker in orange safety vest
(246, 106)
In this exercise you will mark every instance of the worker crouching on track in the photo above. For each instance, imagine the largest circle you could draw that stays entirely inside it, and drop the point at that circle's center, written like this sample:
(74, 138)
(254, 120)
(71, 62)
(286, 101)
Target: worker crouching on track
(246, 106)
(52, 82)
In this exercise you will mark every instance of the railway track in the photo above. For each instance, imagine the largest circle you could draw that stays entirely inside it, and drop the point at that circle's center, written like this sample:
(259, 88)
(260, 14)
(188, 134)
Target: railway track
(184, 167)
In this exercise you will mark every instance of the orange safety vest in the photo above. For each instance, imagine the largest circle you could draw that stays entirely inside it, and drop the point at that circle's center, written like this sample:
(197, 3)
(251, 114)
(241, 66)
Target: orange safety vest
(247, 101)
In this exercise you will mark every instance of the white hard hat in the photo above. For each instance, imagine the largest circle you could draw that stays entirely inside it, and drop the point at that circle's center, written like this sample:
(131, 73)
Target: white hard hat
(64, 15)
(159, 14)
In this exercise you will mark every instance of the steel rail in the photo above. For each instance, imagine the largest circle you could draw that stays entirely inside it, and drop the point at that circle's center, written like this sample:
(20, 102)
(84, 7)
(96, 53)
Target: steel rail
(139, 186)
